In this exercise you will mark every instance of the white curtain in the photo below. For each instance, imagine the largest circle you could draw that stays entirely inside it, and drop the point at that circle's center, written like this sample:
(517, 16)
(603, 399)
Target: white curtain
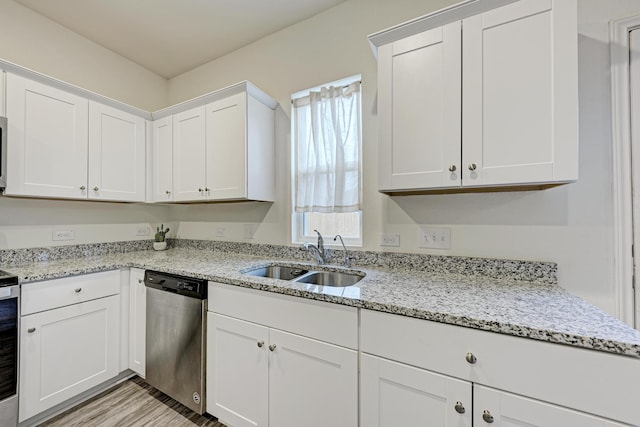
(327, 150)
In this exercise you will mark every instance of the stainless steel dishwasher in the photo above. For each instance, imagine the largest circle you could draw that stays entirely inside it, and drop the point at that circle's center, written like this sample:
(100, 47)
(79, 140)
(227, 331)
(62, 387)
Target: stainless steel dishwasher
(175, 337)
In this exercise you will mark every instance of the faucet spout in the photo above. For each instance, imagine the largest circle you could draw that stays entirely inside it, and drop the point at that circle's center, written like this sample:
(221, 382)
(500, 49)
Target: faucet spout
(313, 249)
(347, 260)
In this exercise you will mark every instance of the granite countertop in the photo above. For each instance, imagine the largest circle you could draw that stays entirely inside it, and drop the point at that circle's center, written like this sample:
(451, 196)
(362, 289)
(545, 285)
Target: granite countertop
(520, 308)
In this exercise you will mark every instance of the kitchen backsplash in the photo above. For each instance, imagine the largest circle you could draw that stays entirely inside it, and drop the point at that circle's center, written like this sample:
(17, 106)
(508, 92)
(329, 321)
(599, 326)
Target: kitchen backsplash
(532, 271)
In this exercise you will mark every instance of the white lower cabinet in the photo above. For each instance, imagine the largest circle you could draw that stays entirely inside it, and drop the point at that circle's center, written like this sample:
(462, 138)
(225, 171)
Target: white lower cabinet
(394, 394)
(416, 372)
(69, 338)
(259, 375)
(66, 351)
(497, 408)
(137, 321)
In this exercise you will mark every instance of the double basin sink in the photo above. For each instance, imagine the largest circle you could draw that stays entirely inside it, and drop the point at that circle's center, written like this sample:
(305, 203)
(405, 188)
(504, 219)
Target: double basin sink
(302, 275)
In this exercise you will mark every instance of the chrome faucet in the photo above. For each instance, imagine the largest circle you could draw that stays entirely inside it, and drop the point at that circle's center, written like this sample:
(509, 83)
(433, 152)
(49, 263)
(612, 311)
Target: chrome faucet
(319, 251)
(347, 260)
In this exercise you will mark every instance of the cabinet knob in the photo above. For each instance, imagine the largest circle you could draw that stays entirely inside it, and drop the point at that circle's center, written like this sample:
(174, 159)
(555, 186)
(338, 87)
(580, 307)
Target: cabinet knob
(82, 187)
(472, 166)
(487, 417)
(471, 358)
(459, 407)
(167, 192)
(140, 280)
(78, 290)
(95, 189)
(452, 168)
(272, 347)
(260, 344)
(31, 330)
(206, 189)
(200, 190)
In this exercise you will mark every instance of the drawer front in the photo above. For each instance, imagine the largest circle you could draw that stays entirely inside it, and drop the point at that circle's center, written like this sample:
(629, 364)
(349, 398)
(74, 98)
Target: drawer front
(50, 294)
(592, 381)
(333, 323)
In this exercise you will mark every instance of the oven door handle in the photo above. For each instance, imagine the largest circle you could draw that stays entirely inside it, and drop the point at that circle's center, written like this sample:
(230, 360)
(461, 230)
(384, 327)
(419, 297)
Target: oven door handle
(9, 292)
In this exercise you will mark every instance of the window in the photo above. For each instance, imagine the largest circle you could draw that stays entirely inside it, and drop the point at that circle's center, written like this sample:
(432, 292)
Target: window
(326, 166)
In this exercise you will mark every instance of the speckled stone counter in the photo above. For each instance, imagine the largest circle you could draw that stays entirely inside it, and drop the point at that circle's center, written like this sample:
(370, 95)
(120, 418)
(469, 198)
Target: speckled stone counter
(535, 308)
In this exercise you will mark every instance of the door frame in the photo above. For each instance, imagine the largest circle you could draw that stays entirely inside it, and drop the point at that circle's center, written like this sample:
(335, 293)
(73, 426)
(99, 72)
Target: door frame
(622, 174)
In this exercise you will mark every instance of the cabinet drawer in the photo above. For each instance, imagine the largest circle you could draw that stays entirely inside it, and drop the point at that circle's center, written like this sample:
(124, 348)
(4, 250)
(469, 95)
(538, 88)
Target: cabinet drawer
(600, 383)
(332, 323)
(41, 296)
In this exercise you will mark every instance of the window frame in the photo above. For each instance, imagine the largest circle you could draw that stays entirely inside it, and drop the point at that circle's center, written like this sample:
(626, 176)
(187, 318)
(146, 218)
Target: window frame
(298, 235)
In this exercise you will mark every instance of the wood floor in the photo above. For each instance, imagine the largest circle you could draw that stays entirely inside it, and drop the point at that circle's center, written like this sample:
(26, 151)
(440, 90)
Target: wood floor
(131, 403)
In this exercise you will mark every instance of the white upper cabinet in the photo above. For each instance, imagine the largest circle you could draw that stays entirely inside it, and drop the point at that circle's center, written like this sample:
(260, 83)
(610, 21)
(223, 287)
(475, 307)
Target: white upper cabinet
(489, 101)
(520, 117)
(62, 145)
(47, 137)
(116, 154)
(189, 153)
(419, 86)
(163, 160)
(225, 149)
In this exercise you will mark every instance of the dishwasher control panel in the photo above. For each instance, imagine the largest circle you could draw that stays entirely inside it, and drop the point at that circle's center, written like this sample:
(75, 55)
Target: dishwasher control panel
(187, 286)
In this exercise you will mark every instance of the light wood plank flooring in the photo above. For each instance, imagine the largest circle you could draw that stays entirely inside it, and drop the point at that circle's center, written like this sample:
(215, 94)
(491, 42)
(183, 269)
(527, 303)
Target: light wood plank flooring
(131, 403)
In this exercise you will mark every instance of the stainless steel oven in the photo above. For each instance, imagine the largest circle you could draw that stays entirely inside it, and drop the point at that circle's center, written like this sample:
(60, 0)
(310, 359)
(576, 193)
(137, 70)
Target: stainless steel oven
(9, 307)
(3, 153)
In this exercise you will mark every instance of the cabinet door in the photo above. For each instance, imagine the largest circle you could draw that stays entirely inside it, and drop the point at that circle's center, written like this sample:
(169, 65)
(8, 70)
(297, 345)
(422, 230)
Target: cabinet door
(117, 148)
(497, 408)
(520, 94)
(47, 135)
(163, 159)
(226, 148)
(311, 383)
(237, 371)
(137, 321)
(66, 351)
(419, 108)
(394, 394)
(189, 153)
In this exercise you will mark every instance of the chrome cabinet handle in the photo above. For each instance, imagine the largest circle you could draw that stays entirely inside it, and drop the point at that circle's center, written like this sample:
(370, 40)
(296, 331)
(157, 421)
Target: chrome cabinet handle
(167, 192)
(31, 330)
(140, 280)
(272, 347)
(472, 166)
(82, 187)
(452, 168)
(471, 358)
(95, 189)
(459, 407)
(260, 344)
(78, 290)
(206, 189)
(200, 190)
(487, 417)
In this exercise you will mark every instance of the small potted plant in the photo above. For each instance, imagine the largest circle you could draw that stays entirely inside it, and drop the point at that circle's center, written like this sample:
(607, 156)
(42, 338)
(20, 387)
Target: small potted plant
(160, 243)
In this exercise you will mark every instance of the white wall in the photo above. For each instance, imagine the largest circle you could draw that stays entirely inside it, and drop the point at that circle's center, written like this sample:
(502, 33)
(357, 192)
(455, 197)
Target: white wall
(570, 225)
(35, 42)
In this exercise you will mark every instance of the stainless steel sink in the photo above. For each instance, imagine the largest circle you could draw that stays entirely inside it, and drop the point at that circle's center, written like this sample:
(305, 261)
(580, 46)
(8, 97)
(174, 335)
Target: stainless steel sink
(278, 272)
(339, 279)
(330, 278)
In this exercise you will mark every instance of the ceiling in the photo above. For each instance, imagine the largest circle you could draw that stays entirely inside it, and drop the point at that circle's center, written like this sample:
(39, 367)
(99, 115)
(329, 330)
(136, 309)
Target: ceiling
(170, 37)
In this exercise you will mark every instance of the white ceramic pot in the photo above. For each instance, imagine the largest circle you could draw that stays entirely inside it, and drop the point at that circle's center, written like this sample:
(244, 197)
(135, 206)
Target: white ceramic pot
(159, 246)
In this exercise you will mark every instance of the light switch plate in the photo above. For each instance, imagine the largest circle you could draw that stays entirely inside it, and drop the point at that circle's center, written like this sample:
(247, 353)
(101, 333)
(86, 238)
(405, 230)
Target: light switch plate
(59, 235)
(387, 239)
(220, 231)
(434, 238)
(143, 230)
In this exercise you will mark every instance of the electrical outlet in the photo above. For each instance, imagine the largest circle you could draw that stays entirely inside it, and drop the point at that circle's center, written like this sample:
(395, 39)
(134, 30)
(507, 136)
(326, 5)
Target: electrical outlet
(389, 239)
(249, 231)
(58, 235)
(143, 230)
(434, 238)
(220, 231)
